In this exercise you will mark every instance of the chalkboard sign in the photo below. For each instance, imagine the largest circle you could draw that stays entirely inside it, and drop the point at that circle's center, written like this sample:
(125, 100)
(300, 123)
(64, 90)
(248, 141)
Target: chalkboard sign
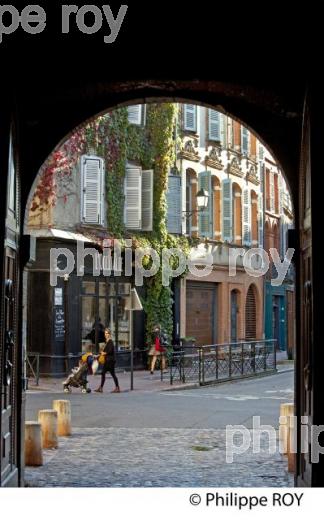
(59, 328)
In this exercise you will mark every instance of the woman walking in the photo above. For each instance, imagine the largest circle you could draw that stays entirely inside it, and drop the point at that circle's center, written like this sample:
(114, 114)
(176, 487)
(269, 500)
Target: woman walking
(109, 364)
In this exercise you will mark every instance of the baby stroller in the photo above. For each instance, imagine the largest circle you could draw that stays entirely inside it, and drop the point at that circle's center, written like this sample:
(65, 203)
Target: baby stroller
(78, 376)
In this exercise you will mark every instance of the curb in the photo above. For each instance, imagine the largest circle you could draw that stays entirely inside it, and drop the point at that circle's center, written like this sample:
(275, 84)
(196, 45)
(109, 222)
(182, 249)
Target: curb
(223, 381)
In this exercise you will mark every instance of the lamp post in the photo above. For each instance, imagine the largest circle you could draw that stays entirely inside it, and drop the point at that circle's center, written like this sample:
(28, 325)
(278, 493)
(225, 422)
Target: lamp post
(202, 203)
(66, 328)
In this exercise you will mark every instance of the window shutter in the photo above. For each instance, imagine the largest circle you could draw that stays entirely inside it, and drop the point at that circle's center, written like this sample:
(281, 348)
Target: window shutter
(174, 215)
(147, 200)
(250, 315)
(272, 198)
(190, 118)
(260, 219)
(246, 217)
(227, 210)
(133, 198)
(214, 125)
(280, 194)
(92, 203)
(223, 129)
(205, 217)
(245, 141)
(135, 114)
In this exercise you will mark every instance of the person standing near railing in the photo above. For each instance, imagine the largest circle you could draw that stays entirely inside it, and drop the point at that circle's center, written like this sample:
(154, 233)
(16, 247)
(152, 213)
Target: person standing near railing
(157, 348)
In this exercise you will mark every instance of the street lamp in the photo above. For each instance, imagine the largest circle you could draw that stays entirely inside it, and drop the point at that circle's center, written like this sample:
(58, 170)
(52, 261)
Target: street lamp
(202, 203)
(66, 318)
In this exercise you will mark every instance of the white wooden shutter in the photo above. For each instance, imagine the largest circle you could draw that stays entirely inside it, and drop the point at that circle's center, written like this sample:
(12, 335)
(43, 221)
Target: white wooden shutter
(174, 215)
(214, 125)
(133, 198)
(245, 140)
(135, 114)
(246, 217)
(260, 219)
(205, 217)
(92, 203)
(227, 210)
(147, 200)
(190, 118)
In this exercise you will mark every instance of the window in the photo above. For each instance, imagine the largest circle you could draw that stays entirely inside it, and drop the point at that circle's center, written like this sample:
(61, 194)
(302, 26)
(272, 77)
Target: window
(174, 214)
(246, 217)
(250, 314)
(137, 114)
(227, 210)
(214, 125)
(138, 209)
(92, 192)
(190, 118)
(205, 217)
(245, 141)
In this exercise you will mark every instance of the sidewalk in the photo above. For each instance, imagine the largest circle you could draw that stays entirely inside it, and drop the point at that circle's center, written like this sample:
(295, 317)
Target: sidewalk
(143, 381)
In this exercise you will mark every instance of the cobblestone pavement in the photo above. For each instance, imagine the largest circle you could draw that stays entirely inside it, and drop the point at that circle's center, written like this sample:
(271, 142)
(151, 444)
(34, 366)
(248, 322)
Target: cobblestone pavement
(155, 457)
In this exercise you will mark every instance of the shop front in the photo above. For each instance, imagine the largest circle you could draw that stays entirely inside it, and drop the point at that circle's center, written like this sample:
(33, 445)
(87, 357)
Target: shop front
(77, 311)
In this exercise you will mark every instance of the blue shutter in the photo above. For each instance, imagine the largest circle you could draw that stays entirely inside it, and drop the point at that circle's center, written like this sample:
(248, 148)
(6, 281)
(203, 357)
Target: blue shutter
(245, 141)
(246, 217)
(205, 218)
(214, 125)
(190, 118)
(174, 215)
(227, 210)
(260, 219)
(223, 128)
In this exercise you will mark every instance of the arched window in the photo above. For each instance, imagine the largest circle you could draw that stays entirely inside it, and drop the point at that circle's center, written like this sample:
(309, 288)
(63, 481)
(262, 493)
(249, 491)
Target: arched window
(250, 314)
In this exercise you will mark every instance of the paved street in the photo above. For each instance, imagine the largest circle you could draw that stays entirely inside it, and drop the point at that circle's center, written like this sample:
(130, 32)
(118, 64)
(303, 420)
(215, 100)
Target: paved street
(173, 438)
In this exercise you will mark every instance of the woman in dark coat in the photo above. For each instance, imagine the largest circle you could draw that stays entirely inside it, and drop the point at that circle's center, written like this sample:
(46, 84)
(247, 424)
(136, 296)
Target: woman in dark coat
(110, 362)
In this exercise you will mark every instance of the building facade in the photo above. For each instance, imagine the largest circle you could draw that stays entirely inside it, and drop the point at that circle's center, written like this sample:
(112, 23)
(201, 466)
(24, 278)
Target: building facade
(209, 151)
(278, 220)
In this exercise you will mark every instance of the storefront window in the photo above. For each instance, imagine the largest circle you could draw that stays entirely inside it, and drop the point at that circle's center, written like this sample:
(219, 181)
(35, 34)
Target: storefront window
(123, 324)
(106, 308)
(88, 322)
(89, 287)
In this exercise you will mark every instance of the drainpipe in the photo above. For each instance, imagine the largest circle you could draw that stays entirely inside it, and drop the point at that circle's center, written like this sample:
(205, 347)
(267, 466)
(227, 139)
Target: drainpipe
(262, 245)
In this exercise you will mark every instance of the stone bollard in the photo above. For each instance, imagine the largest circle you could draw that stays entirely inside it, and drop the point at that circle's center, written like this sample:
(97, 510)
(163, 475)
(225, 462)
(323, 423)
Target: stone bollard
(33, 444)
(291, 449)
(48, 421)
(286, 411)
(63, 409)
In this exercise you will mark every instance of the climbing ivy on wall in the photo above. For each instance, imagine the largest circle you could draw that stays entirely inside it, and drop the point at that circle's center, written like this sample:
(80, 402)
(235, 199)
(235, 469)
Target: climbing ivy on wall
(152, 146)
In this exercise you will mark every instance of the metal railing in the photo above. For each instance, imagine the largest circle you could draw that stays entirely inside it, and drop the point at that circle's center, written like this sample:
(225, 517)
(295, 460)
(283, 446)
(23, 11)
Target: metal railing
(210, 363)
(34, 362)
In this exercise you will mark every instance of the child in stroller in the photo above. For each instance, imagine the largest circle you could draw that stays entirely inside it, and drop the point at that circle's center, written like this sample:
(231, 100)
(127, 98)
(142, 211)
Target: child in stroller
(78, 376)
